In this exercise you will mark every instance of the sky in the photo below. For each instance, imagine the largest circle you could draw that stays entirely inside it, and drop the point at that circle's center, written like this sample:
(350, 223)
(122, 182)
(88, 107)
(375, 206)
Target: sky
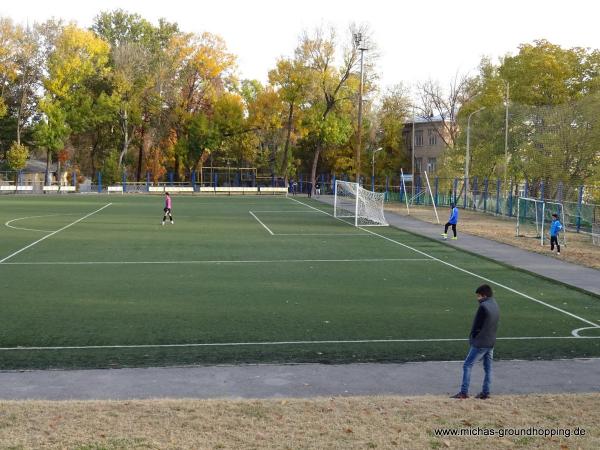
(416, 41)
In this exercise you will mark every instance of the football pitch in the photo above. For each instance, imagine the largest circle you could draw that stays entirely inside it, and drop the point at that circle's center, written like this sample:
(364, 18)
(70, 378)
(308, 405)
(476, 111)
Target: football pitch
(96, 281)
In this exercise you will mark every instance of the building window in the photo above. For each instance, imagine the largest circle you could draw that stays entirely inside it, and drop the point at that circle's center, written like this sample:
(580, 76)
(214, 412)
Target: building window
(419, 138)
(418, 164)
(430, 165)
(432, 137)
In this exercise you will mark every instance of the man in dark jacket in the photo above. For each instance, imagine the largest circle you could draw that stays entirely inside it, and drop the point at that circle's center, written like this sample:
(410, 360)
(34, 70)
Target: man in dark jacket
(482, 340)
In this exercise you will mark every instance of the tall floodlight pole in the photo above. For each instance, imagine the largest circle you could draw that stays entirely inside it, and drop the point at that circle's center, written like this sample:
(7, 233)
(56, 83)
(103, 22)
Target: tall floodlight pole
(412, 156)
(506, 135)
(358, 41)
(373, 167)
(468, 155)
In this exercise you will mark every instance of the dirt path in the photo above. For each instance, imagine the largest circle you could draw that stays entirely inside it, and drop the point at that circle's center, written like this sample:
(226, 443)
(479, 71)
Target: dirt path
(579, 248)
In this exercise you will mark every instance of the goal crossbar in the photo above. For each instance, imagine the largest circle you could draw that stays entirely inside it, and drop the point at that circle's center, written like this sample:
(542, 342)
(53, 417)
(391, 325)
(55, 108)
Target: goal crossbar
(358, 205)
(542, 209)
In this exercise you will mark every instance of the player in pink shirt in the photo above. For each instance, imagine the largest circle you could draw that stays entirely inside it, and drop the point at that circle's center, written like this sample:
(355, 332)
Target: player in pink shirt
(167, 209)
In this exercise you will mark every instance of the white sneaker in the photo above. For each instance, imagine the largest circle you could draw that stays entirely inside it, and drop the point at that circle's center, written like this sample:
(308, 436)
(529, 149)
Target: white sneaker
(558, 253)
(162, 223)
(172, 223)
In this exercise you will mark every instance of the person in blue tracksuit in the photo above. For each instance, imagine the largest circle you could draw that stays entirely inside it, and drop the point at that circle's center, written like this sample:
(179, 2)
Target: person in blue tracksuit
(452, 221)
(554, 231)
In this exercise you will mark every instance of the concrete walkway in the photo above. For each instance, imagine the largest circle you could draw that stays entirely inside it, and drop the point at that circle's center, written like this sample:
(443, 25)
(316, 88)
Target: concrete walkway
(304, 380)
(578, 276)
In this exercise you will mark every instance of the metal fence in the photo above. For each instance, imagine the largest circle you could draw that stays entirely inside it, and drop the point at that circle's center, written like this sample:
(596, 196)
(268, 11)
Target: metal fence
(492, 196)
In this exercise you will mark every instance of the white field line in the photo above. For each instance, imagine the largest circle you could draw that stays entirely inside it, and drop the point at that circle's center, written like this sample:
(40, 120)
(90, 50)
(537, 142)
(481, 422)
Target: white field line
(53, 233)
(249, 261)
(286, 211)
(240, 344)
(8, 223)
(259, 221)
(322, 234)
(595, 325)
(301, 234)
(576, 332)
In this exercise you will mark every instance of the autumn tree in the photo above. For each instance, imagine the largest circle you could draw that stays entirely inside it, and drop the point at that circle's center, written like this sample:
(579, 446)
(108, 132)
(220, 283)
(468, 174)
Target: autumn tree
(16, 157)
(330, 89)
(291, 80)
(390, 116)
(128, 36)
(76, 92)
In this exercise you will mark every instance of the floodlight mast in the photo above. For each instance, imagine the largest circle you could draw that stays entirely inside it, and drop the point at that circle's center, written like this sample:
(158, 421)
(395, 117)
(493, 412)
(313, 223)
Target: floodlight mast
(373, 168)
(468, 155)
(359, 44)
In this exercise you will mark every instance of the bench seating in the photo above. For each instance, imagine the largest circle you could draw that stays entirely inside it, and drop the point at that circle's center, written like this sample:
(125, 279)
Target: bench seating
(273, 190)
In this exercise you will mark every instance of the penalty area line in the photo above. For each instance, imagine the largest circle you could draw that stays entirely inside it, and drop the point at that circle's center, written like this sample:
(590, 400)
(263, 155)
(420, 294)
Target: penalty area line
(275, 343)
(481, 277)
(259, 221)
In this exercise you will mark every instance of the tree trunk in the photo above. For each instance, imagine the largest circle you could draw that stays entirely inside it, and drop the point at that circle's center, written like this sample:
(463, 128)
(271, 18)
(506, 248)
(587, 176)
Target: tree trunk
(19, 127)
(138, 176)
(19, 112)
(284, 164)
(176, 170)
(313, 172)
(48, 161)
(93, 153)
(125, 129)
(273, 148)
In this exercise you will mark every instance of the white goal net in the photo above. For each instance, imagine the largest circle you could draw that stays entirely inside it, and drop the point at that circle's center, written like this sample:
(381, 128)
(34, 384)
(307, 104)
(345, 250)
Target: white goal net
(358, 205)
(596, 234)
(534, 218)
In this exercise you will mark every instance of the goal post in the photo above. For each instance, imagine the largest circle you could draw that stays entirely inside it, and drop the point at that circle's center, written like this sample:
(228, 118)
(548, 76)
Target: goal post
(357, 205)
(596, 234)
(423, 202)
(534, 218)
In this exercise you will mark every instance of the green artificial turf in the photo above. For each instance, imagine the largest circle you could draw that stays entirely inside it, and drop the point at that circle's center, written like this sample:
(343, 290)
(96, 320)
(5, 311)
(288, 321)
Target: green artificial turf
(218, 276)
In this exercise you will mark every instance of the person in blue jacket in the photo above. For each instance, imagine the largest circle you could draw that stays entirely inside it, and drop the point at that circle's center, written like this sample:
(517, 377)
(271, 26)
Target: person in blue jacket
(452, 221)
(554, 231)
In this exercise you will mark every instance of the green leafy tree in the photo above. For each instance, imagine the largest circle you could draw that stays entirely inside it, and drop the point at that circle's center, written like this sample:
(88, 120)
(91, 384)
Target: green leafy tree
(77, 86)
(543, 73)
(52, 131)
(553, 112)
(331, 88)
(292, 81)
(390, 118)
(16, 157)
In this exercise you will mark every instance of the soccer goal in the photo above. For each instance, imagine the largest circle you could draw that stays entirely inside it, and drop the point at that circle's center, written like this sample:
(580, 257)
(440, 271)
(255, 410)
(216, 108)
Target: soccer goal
(421, 199)
(596, 234)
(534, 218)
(358, 205)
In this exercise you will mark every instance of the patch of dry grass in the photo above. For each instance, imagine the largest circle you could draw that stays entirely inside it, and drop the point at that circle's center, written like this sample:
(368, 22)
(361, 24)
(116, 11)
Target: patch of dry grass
(579, 248)
(333, 423)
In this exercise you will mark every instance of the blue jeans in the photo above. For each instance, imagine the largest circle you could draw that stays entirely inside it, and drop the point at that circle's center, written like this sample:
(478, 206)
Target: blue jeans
(474, 355)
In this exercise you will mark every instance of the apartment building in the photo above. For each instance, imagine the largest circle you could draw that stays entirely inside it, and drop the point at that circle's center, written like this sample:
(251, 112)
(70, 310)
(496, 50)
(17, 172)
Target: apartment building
(429, 144)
